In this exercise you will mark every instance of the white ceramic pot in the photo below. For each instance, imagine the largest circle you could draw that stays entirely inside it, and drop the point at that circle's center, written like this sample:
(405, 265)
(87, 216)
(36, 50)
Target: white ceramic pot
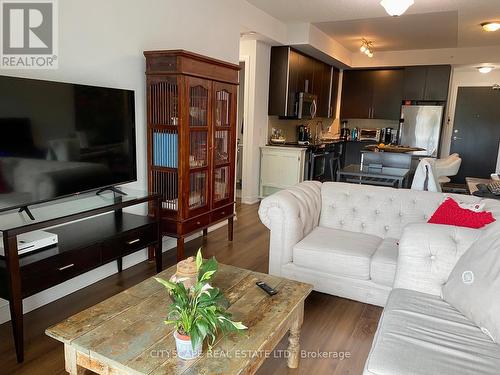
(184, 348)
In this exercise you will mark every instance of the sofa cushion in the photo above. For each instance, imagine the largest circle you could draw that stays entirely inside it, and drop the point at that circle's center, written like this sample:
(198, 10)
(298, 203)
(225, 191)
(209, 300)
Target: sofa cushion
(474, 284)
(376, 210)
(384, 260)
(428, 253)
(421, 334)
(337, 252)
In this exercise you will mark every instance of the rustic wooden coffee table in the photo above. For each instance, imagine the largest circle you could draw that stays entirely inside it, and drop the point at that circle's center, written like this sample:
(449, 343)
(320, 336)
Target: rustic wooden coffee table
(125, 334)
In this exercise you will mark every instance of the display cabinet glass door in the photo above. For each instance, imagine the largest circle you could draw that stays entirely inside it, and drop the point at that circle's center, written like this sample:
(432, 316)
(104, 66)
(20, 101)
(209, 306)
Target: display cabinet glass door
(198, 130)
(163, 130)
(223, 136)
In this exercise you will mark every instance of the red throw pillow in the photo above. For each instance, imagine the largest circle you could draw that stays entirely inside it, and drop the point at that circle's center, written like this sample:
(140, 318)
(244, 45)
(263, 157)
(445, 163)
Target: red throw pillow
(450, 213)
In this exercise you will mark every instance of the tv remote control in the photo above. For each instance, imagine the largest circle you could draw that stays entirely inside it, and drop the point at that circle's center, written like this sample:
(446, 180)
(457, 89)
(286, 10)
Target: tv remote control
(266, 288)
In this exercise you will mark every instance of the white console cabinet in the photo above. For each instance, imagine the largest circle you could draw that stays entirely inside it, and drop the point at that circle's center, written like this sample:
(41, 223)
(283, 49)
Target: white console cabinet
(280, 168)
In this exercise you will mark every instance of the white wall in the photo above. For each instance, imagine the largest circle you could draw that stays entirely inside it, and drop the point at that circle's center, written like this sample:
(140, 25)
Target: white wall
(101, 43)
(465, 77)
(255, 133)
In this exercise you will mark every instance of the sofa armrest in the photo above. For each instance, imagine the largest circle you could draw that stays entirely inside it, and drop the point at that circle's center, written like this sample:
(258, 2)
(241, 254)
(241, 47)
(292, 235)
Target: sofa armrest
(290, 214)
(428, 253)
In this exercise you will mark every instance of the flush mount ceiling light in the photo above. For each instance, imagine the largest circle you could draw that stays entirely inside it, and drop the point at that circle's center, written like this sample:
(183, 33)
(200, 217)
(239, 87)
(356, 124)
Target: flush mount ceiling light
(491, 26)
(485, 69)
(396, 7)
(366, 47)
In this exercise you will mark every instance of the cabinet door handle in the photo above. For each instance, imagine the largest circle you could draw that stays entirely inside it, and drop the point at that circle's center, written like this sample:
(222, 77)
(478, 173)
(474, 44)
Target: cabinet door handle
(133, 241)
(198, 222)
(66, 267)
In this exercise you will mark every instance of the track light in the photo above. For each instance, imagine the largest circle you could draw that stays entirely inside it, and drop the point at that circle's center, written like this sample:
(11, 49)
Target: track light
(366, 47)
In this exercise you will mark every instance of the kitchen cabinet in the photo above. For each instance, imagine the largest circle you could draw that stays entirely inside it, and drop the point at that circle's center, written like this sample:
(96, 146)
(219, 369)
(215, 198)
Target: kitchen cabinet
(280, 168)
(372, 94)
(387, 94)
(426, 83)
(293, 72)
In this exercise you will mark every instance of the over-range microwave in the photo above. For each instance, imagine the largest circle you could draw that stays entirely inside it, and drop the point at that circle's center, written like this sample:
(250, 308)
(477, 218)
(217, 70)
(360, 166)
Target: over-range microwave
(369, 135)
(306, 105)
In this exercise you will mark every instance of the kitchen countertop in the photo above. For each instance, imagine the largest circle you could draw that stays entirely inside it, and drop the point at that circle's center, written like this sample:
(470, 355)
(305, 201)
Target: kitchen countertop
(324, 142)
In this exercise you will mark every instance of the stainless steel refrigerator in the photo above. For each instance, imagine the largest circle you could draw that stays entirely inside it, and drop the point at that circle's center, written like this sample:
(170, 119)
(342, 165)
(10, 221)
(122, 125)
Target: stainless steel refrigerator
(421, 127)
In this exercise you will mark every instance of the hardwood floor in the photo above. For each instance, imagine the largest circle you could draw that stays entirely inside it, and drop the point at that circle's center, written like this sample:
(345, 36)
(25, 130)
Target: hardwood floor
(331, 324)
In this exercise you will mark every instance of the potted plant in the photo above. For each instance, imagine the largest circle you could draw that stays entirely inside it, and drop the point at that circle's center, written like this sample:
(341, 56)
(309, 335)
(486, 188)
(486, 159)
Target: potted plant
(198, 312)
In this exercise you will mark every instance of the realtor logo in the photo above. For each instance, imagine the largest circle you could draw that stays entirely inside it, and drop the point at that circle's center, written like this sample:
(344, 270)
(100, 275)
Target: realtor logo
(29, 34)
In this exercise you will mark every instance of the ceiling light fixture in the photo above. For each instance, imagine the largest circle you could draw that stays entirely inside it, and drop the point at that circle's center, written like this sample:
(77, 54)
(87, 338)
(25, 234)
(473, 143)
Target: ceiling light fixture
(491, 26)
(366, 47)
(396, 8)
(485, 69)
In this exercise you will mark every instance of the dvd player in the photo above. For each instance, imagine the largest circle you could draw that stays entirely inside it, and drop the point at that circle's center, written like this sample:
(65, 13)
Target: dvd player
(32, 241)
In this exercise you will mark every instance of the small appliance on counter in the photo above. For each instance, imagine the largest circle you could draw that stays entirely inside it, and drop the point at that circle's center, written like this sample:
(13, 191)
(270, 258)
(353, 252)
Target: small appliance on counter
(304, 135)
(345, 132)
(387, 135)
(366, 134)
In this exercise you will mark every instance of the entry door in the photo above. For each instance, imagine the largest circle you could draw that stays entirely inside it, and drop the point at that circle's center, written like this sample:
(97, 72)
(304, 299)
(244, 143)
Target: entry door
(476, 131)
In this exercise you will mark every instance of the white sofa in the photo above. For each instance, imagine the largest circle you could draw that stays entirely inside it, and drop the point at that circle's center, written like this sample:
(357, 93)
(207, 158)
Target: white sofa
(343, 238)
(360, 242)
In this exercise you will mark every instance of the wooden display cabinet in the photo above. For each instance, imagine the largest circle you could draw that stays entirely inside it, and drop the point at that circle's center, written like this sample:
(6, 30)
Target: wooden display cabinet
(191, 110)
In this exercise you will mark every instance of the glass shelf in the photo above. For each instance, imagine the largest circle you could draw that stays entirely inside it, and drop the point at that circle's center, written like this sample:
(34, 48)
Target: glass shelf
(74, 205)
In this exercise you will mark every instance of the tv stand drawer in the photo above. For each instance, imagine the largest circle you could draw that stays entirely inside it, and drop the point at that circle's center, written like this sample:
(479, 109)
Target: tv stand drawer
(55, 270)
(129, 242)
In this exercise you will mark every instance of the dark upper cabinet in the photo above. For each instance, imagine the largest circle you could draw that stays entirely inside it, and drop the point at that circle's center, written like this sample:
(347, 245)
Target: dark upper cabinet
(372, 94)
(437, 83)
(387, 94)
(426, 82)
(414, 82)
(357, 95)
(293, 72)
(334, 92)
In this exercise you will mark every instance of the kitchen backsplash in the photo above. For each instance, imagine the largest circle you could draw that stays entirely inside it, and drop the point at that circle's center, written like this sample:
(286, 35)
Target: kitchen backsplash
(371, 123)
(289, 127)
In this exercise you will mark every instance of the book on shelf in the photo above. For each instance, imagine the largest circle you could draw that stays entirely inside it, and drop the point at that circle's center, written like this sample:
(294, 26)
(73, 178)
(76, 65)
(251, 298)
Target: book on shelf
(165, 146)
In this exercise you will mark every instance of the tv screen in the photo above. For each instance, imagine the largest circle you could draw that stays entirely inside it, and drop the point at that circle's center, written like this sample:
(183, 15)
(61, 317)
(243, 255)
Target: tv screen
(58, 139)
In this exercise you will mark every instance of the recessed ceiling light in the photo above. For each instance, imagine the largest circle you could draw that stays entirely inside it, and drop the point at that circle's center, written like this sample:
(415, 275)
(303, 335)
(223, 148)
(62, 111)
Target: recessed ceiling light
(396, 7)
(248, 33)
(485, 69)
(491, 26)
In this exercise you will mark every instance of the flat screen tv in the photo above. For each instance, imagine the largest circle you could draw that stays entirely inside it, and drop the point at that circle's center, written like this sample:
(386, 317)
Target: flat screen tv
(59, 139)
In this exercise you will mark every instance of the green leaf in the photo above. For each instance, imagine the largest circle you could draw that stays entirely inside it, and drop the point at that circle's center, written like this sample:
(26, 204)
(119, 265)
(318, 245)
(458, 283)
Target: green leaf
(238, 325)
(208, 266)
(207, 275)
(168, 284)
(199, 259)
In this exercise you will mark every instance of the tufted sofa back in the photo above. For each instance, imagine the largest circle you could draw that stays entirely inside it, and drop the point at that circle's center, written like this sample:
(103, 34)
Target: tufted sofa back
(379, 211)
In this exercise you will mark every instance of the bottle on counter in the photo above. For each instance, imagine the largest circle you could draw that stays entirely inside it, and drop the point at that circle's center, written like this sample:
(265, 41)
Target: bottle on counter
(354, 134)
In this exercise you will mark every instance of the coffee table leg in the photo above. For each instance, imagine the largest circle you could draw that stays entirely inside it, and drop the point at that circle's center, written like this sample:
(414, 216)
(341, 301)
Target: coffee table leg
(70, 360)
(294, 337)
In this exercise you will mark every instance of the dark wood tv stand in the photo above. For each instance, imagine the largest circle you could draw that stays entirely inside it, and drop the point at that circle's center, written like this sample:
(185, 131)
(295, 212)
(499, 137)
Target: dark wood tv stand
(105, 234)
